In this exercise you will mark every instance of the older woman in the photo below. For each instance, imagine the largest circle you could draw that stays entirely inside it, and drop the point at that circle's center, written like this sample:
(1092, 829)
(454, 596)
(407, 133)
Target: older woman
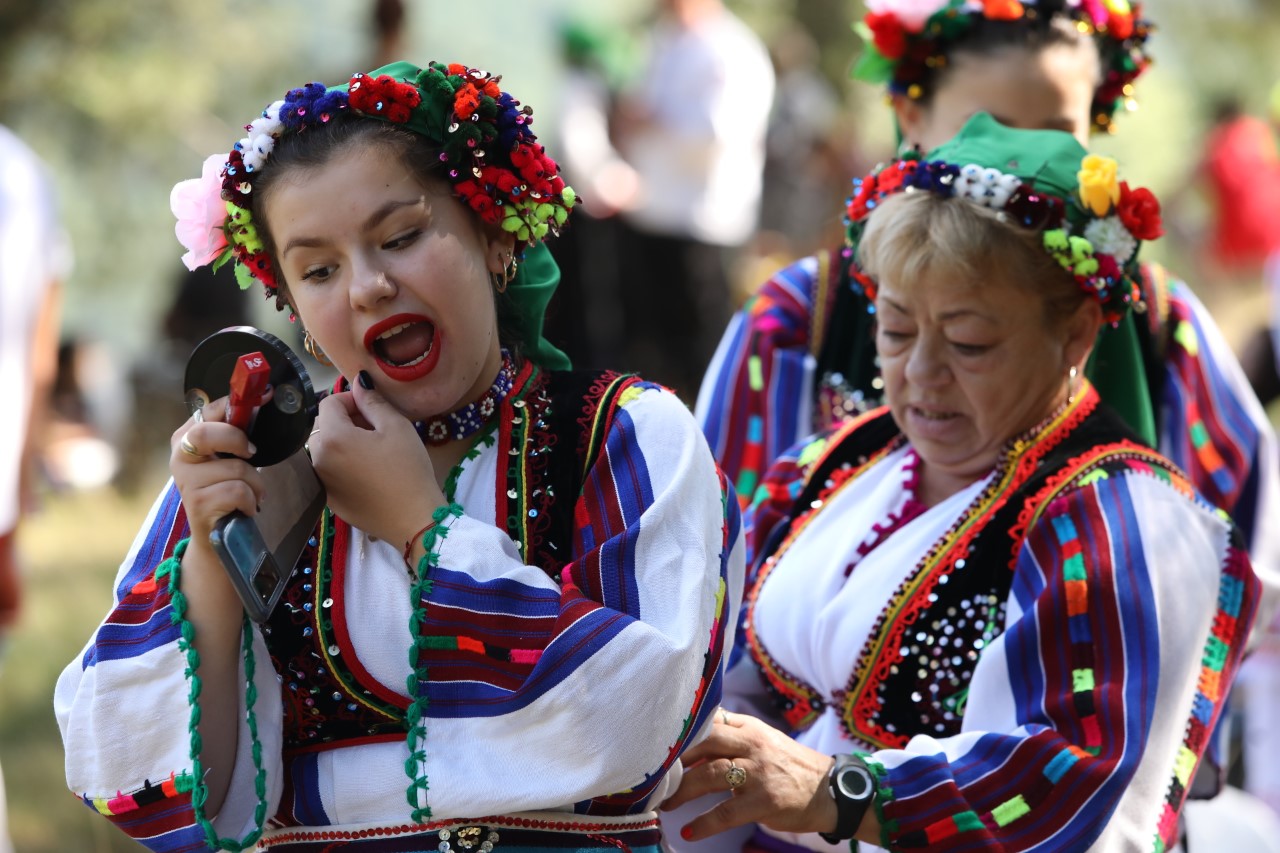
(800, 355)
(988, 616)
(508, 623)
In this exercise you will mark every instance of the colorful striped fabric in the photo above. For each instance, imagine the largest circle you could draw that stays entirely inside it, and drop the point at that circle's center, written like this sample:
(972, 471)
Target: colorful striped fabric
(1128, 609)
(575, 693)
(757, 400)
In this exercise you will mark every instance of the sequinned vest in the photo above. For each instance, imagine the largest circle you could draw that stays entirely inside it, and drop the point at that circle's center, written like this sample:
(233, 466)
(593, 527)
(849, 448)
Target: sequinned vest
(912, 677)
(550, 429)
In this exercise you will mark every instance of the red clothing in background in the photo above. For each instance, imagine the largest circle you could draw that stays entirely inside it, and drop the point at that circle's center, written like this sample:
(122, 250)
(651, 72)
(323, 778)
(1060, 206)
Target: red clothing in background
(1243, 171)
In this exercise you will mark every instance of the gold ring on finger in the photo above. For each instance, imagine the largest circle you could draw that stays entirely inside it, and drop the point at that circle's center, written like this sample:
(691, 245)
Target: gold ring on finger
(189, 448)
(735, 776)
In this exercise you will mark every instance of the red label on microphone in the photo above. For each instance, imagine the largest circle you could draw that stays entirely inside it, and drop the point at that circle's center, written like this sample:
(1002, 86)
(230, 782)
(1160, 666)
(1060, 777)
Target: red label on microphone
(249, 383)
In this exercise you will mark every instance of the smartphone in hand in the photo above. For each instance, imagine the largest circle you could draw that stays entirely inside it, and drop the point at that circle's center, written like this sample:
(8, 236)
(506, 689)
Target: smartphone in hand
(260, 553)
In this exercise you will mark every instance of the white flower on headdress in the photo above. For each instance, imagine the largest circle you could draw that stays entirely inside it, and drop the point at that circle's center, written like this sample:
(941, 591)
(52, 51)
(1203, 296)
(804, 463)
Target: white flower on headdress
(968, 184)
(1003, 189)
(263, 132)
(912, 14)
(1110, 237)
(988, 187)
(197, 203)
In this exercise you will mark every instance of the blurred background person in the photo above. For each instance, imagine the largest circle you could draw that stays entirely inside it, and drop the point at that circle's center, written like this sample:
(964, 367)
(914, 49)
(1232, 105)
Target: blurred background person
(693, 127)
(203, 301)
(583, 317)
(34, 258)
(1227, 210)
(388, 18)
(807, 163)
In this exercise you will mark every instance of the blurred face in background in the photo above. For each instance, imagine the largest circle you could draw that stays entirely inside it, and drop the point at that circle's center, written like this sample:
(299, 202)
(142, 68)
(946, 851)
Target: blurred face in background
(1050, 88)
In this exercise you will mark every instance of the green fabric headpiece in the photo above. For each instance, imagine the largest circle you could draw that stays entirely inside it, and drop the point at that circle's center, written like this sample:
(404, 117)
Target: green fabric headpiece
(1091, 222)
(1048, 160)
(530, 292)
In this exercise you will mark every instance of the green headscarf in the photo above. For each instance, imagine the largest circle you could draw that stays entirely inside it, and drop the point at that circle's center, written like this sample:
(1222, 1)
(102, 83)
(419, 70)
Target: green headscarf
(530, 292)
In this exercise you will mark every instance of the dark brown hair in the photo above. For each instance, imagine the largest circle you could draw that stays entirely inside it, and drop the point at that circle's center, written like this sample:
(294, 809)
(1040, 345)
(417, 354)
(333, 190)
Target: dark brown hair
(1032, 33)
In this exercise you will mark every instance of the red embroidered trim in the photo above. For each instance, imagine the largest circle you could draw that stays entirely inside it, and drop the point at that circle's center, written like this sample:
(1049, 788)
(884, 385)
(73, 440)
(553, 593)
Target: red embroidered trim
(803, 702)
(859, 704)
(1078, 467)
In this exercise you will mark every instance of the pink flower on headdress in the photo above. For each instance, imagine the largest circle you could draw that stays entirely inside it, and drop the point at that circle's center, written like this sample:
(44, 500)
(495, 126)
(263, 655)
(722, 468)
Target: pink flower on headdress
(197, 203)
(1097, 12)
(912, 14)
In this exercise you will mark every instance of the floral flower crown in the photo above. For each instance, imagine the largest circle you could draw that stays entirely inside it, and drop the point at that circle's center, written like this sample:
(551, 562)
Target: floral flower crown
(487, 150)
(1093, 233)
(907, 39)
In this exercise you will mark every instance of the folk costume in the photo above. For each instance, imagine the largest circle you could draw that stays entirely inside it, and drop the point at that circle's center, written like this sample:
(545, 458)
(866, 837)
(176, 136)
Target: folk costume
(532, 682)
(1039, 660)
(799, 357)
(1036, 663)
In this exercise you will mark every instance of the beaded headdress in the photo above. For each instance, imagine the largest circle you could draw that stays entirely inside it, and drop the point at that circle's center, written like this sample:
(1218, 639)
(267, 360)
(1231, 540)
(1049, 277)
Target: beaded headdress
(906, 40)
(488, 152)
(1091, 222)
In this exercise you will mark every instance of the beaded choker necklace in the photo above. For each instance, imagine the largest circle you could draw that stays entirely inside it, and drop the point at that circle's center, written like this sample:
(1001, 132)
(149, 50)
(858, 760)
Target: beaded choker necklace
(468, 420)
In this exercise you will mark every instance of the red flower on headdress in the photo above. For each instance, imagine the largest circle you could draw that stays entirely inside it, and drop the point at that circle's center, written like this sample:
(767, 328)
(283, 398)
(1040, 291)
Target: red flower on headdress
(1107, 267)
(465, 102)
(1139, 210)
(1120, 25)
(887, 33)
(891, 178)
(857, 207)
(1002, 10)
(866, 282)
(383, 96)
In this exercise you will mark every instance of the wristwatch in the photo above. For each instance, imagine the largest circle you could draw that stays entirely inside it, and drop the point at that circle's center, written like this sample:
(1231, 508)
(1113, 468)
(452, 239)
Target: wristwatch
(854, 789)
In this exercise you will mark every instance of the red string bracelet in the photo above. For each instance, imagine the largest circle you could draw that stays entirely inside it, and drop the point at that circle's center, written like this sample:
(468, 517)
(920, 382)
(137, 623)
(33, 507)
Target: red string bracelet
(413, 540)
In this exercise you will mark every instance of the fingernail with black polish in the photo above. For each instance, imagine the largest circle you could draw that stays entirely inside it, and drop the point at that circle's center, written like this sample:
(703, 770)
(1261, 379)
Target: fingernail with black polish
(366, 381)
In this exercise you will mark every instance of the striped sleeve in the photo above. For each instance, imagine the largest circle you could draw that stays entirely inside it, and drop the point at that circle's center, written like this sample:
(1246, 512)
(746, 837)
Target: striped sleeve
(122, 706)
(755, 400)
(624, 656)
(1214, 428)
(1087, 717)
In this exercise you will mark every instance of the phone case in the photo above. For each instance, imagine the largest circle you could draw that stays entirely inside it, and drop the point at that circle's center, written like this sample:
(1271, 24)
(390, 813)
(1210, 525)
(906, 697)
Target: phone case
(260, 553)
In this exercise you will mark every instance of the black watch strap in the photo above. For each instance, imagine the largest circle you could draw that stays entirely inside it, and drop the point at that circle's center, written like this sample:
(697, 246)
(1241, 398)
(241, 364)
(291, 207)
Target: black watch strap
(854, 788)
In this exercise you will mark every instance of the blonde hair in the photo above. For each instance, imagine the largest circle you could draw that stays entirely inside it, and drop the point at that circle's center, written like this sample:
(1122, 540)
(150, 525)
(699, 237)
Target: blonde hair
(912, 234)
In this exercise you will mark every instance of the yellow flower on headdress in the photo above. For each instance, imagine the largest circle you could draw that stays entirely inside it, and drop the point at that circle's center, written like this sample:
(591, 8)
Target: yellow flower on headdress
(1099, 186)
(1117, 7)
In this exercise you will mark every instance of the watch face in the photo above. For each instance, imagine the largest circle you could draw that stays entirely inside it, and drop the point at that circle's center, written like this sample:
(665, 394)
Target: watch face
(855, 782)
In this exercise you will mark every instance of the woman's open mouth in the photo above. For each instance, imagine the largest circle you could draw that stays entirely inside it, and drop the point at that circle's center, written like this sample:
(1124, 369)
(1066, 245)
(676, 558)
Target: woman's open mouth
(405, 347)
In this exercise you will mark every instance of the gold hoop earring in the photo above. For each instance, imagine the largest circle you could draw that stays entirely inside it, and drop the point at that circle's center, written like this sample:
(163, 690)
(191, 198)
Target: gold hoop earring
(313, 348)
(508, 273)
(1071, 384)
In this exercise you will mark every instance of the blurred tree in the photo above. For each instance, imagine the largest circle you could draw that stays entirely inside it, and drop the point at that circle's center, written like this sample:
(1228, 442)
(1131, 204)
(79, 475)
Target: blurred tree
(125, 99)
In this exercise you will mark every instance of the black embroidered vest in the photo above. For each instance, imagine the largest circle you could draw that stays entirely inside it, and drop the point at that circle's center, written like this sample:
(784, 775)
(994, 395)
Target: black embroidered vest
(550, 429)
(913, 675)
